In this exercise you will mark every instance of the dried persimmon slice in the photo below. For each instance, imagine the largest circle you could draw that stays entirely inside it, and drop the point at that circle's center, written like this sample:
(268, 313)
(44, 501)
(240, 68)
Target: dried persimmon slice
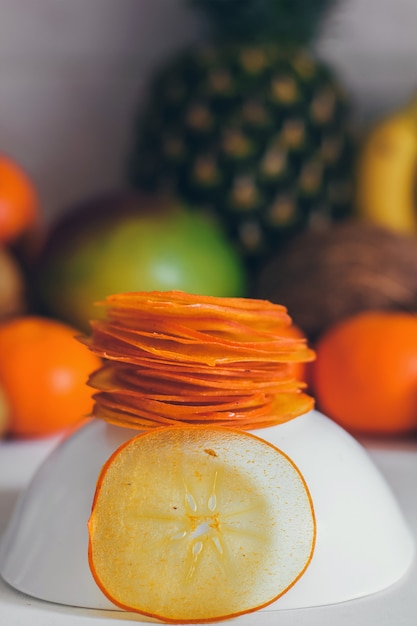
(176, 302)
(122, 341)
(198, 524)
(164, 385)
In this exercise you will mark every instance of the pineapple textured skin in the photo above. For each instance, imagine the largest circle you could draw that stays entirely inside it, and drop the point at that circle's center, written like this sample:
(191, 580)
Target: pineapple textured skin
(260, 135)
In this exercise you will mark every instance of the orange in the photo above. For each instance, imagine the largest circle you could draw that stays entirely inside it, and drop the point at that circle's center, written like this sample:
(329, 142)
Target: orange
(365, 374)
(18, 201)
(199, 523)
(43, 374)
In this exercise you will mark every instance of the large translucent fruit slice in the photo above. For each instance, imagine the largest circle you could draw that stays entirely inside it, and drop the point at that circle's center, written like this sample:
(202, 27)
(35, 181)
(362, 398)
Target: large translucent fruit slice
(199, 523)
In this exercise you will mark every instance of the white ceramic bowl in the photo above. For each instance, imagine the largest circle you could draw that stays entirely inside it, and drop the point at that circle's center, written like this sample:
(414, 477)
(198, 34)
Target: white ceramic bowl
(362, 546)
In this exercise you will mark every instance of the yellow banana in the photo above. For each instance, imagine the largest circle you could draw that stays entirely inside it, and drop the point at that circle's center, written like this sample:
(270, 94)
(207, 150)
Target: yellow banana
(387, 173)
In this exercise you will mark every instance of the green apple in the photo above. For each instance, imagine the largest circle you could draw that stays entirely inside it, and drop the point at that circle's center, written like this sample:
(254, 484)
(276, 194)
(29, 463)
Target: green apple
(126, 242)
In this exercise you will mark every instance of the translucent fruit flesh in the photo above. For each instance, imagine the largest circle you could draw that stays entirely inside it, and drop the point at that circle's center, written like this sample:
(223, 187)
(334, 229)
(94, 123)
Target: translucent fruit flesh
(198, 524)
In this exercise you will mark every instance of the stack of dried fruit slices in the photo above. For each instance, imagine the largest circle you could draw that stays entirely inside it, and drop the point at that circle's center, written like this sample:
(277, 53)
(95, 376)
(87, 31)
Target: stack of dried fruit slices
(174, 358)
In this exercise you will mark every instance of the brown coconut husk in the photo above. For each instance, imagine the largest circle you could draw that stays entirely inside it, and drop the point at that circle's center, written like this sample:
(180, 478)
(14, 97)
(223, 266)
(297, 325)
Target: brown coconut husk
(325, 276)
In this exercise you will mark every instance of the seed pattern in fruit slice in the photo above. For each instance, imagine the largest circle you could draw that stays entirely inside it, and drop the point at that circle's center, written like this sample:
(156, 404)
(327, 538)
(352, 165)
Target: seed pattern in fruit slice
(199, 524)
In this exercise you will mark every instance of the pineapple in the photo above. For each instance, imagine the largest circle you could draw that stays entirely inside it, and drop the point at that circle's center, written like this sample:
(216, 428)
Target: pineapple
(251, 126)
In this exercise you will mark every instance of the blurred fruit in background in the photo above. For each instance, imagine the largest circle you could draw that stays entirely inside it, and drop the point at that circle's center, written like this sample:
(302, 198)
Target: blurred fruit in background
(251, 125)
(129, 242)
(43, 376)
(365, 374)
(386, 177)
(324, 277)
(12, 285)
(19, 209)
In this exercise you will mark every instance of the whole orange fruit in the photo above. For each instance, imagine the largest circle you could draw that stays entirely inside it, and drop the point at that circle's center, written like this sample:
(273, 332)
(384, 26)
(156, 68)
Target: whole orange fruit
(18, 201)
(43, 373)
(365, 374)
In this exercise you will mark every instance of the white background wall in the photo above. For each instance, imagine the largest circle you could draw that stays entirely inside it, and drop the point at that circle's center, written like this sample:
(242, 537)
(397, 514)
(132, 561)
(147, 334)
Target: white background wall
(72, 73)
(373, 44)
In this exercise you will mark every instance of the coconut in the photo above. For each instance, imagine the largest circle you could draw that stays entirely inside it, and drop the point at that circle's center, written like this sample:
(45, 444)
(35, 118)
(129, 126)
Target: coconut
(325, 276)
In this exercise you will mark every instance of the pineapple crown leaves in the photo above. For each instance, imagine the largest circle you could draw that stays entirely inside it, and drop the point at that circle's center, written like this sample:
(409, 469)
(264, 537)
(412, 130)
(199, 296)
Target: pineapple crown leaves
(293, 22)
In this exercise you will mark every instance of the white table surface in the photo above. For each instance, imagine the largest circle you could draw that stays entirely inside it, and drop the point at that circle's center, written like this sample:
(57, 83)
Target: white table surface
(396, 606)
